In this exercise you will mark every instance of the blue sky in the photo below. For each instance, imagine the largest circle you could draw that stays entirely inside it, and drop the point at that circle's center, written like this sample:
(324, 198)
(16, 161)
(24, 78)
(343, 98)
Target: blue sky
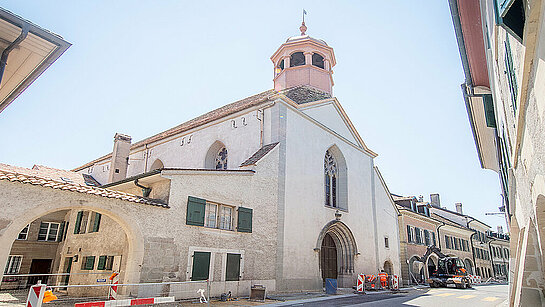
(142, 67)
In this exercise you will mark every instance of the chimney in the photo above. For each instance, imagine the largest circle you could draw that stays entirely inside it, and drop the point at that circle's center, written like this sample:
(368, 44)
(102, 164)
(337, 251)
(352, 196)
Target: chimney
(421, 198)
(120, 157)
(500, 230)
(434, 200)
(459, 208)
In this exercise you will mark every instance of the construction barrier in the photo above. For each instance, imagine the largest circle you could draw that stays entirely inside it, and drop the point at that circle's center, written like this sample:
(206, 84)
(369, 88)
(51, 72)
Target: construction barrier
(128, 302)
(394, 282)
(360, 285)
(371, 282)
(35, 295)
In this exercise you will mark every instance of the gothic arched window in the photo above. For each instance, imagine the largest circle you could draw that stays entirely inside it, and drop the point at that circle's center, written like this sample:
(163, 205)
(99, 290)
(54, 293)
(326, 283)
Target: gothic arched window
(221, 159)
(331, 179)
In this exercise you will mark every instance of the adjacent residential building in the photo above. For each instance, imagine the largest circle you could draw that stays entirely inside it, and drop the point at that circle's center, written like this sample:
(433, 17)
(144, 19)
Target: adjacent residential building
(417, 231)
(423, 224)
(499, 252)
(502, 50)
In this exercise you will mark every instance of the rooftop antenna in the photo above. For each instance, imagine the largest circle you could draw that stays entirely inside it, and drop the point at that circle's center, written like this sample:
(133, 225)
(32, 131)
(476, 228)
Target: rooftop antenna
(303, 28)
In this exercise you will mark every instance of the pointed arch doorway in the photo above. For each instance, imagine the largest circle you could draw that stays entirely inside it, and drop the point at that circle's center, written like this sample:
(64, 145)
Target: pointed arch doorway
(337, 248)
(329, 258)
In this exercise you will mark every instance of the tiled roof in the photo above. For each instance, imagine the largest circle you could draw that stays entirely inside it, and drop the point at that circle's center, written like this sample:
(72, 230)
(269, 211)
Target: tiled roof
(259, 154)
(25, 175)
(198, 121)
(303, 94)
(55, 174)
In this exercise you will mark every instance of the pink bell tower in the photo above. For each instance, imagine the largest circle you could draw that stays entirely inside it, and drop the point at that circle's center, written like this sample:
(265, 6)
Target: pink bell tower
(304, 60)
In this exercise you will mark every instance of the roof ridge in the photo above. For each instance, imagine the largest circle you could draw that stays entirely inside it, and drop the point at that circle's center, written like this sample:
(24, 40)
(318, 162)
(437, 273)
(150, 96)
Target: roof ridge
(200, 120)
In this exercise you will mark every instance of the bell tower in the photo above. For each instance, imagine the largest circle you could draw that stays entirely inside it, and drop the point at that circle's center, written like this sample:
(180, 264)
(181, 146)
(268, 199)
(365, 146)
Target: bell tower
(304, 60)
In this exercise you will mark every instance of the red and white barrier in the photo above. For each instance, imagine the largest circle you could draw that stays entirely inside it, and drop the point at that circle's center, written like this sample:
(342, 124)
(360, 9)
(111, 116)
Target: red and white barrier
(128, 302)
(114, 280)
(395, 282)
(361, 283)
(475, 279)
(35, 296)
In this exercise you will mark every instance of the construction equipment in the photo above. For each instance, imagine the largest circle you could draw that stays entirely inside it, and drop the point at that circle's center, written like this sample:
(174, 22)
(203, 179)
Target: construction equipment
(449, 271)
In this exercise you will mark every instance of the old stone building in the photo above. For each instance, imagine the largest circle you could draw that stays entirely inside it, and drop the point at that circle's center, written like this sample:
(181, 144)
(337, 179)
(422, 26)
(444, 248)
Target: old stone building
(502, 53)
(277, 189)
(418, 230)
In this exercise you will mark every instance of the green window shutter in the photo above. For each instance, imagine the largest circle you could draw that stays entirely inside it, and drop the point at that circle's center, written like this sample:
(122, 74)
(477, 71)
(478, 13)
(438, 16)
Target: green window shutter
(195, 211)
(201, 266)
(61, 232)
(244, 219)
(88, 263)
(409, 239)
(96, 224)
(101, 263)
(489, 111)
(233, 267)
(78, 222)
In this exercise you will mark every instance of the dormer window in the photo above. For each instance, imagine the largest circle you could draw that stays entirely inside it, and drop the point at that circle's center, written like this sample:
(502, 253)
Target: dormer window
(317, 60)
(297, 59)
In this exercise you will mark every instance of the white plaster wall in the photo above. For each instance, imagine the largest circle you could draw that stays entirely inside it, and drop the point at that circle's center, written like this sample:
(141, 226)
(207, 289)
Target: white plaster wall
(328, 115)
(305, 213)
(241, 142)
(387, 226)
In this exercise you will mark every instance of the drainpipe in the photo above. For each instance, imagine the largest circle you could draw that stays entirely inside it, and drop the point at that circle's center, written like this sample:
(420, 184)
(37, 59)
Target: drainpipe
(15, 43)
(145, 190)
(438, 235)
(473, 252)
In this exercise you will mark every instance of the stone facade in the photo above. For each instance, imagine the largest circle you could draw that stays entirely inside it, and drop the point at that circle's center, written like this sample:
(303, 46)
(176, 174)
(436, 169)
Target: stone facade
(505, 46)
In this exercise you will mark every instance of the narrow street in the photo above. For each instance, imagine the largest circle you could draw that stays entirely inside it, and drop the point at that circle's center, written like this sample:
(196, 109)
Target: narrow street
(486, 295)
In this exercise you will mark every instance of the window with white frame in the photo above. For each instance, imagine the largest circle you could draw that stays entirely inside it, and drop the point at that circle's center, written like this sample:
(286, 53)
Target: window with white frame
(13, 265)
(386, 242)
(219, 216)
(48, 231)
(23, 235)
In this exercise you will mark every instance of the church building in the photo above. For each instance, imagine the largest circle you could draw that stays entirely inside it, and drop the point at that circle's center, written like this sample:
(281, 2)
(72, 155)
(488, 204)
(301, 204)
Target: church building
(326, 195)
(277, 189)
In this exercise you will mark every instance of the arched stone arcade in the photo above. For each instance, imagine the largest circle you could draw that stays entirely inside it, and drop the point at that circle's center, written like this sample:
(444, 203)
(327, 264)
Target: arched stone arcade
(345, 247)
(41, 201)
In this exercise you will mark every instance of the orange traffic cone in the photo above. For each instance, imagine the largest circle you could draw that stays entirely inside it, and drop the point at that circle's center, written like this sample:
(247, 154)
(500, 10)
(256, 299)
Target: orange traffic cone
(49, 296)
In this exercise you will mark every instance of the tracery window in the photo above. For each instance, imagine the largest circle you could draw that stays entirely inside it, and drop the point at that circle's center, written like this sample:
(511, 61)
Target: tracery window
(331, 175)
(221, 159)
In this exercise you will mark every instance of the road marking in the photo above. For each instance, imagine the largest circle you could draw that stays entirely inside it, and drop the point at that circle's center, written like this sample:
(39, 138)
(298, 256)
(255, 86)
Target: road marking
(465, 297)
(490, 298)
(445, 294)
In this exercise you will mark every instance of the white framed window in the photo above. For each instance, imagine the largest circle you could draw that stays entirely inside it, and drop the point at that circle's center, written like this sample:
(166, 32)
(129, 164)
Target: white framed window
(226, 218)
(211, 216)
(219, 216)
(23, 235)
(13, 265)
(48, 231)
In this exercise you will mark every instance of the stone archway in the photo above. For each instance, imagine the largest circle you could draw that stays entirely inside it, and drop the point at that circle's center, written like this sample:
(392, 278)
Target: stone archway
(345, 248)
(38, 201)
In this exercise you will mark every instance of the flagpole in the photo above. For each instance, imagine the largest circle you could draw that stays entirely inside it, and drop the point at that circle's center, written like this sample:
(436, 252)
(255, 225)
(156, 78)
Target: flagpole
(303, 15)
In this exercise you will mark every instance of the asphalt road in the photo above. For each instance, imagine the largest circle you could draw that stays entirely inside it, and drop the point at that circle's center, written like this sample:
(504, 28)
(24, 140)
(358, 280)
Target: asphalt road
(489, 295)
